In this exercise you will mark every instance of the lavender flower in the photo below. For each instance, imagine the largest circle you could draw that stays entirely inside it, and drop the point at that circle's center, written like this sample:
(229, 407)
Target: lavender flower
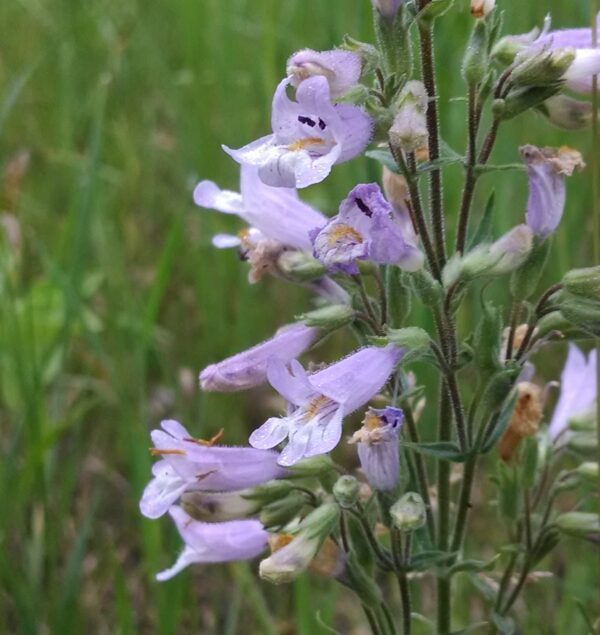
(215, 542)
(578, 391)
(319, 402)
(190, 465)
(249, 368)
(587, 58)
(378, 449)
(309, 136)
(365, 229)
(275, 213)
(547, 168)
(340, 68)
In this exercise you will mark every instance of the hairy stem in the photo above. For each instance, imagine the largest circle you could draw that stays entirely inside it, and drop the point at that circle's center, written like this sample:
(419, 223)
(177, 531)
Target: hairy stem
(435, 179)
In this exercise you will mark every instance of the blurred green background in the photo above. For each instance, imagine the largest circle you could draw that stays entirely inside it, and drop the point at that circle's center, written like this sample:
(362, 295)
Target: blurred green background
(113, 299)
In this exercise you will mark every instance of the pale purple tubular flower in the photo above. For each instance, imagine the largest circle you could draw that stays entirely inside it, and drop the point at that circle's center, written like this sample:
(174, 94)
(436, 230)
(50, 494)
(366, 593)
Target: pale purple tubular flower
(547, 168)
(378, 447)
(189, 465)
(587, 60)
(578, 391)
(309, 136)
(215, 542)
(249, 368)
(319, 402)
(274, 213)
(366, 228)
(340, 68)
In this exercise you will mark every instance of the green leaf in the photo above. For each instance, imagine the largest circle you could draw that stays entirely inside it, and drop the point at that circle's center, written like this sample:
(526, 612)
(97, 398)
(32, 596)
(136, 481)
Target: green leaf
(384, 157)
(427, 559)
(586, 618)
(484, 229)
(433, 10)
(474, 565)
(444, 450)
(429, 166)
(501, 425)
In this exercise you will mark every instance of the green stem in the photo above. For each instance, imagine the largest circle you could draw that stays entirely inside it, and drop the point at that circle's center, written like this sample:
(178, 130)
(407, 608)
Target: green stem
(435, 179)
(443, 525)
(464, 504)
(420, 470)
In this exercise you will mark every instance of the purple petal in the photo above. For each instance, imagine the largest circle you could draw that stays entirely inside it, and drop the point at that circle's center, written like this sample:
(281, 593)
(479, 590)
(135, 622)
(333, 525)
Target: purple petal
(354, 380)
(295, 387)
(207, 194)
(341, 68)
(295, 450)
(272, 432)
(162, 491)
(249, 368)
(358, 130)
(326, 435)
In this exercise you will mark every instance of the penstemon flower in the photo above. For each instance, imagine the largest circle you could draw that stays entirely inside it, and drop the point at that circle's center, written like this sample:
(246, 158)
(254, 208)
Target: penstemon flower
(578, 390)
(214, 542)
(387, 8)
(310, 135)
(191, 465)
(319, 402)
(547, 168)
(249, 368)
(263, 208)
(366, 228)
(340, 68)
(378, 447)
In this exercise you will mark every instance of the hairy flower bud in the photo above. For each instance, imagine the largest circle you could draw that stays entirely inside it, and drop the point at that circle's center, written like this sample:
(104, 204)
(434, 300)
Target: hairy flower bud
(409, 130)
(387, 8)
(507, 48)
(293, 554)
(218, 506)
(408, 513)
(333, 316)
(583, 282)
(581, 524)
(540, 66)
(482, 8)
(475, 62)
(567, 113)
(299, 266)
(525, 419)
(346, 490)
(281, 511)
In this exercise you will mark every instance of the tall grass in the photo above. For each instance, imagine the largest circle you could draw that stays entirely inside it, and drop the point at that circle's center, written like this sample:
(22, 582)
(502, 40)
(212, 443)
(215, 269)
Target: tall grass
(112, 297)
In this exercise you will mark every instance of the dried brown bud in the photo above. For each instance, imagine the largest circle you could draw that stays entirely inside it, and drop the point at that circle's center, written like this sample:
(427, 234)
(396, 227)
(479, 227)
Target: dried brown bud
(518, 337)
(329, 561)
(482, 8)
(525, 420)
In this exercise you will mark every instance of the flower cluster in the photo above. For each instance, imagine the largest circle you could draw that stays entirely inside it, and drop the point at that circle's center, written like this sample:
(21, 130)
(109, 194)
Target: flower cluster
(364, 267)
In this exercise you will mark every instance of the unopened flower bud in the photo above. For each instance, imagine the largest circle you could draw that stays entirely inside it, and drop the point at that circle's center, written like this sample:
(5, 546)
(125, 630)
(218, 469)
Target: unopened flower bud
(482, 8)
(588, 472)
(299, 266)
(330, 561)
(512, 249)
(218, 506)
(409, 130)
(525, 420)
(475, 62)
(387, 8)
(333, 316)
(408, 513)
(313, 466)
(567, 113)
(269, 492)
(414, 340)
(541, 66)
(293, 554)
(518, 336)
(395, 189)
(583, 282)
(581, 524)
(281, 511)
(507, 48)
(584, 313)
(346, 491)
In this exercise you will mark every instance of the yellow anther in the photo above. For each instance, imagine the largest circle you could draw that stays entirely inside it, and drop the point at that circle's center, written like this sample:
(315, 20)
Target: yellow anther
(343, 232)
(315, 405)
(210, 442)
(306, 142)
(160, 451)
(372, 421)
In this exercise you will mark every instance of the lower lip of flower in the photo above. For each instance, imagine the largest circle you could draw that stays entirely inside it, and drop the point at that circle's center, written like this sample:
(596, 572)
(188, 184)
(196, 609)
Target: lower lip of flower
(306, 142)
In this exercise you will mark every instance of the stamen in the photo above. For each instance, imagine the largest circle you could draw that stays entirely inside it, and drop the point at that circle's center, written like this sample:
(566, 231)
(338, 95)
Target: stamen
(315, 405)
(302, 144)
(160, 451)
(372, 421)
(210, 442)
(343, 233)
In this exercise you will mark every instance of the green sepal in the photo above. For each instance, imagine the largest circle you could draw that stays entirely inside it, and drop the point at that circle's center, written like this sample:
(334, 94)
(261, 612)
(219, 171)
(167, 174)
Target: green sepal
(428, 559)
(524, 281)
(398, 295)
(474, 565)
(501, 424)
(433, 10)
(483, 233)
